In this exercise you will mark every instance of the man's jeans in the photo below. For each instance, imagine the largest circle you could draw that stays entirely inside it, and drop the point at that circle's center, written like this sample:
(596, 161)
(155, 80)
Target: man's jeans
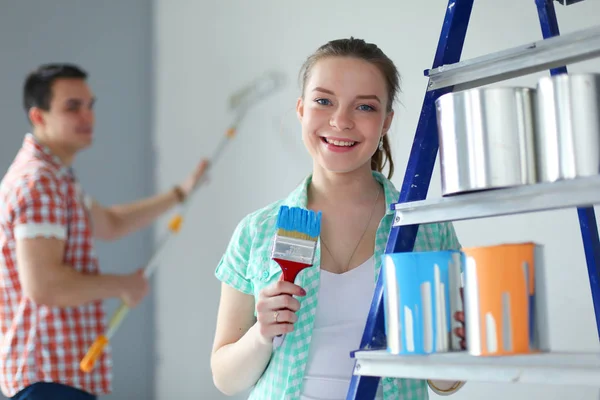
(52, 391)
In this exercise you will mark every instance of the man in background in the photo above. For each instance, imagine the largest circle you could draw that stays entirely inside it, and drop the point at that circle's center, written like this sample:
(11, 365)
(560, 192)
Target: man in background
(51, 289)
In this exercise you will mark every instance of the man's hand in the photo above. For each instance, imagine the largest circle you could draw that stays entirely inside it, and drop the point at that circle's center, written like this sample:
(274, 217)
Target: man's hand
(189, 184)
(135, 287)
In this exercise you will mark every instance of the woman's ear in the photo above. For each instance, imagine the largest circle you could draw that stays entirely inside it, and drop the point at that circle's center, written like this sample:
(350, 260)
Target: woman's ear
(387, 122)
(300, 108)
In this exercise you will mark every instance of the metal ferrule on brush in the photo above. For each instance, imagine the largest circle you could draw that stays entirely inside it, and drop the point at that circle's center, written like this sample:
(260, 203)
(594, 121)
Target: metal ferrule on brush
(294, 249)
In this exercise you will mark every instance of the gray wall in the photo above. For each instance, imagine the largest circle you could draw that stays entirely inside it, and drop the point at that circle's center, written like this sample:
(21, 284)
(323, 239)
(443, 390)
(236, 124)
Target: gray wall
(113, 41)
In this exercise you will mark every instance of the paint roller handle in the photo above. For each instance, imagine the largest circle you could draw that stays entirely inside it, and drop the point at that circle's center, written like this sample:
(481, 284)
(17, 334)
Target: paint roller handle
(133, 292)
(189, 184)
(97, 348)
(89, 361)
(94, 352)
(229, 134)
(174, 225)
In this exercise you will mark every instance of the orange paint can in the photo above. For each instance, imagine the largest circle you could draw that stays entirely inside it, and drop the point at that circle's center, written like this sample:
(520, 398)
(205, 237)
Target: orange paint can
(505, 300)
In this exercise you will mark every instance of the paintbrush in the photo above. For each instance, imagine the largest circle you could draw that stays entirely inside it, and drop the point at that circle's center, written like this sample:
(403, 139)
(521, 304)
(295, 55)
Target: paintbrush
(295, 242)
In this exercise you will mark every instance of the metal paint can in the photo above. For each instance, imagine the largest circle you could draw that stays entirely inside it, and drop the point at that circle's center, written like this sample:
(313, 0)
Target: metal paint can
(568, 126)
(486, 138)
(505, 300)
(421, 296)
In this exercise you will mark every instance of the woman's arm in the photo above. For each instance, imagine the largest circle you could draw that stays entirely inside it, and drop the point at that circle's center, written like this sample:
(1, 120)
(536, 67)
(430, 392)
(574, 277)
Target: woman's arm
(239, 356)
(243, 344)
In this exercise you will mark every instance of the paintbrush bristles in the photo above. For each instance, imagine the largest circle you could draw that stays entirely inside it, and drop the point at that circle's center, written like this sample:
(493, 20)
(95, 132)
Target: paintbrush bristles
(295, 235)
(299, 223)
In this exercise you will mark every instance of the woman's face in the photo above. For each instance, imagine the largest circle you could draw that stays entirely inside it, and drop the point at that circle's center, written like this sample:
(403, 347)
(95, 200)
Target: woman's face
(343, 113)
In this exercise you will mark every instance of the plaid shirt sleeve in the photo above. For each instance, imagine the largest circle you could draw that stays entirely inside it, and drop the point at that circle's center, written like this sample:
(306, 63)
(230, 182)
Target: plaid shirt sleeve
(39, 208)
(88, 200)
(232, 269)
(449, 240)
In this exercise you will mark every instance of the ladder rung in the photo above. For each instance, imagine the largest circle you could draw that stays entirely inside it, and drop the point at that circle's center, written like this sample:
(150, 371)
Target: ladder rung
(581, 192)
(568, 2)
(557, 368)
(534, 57)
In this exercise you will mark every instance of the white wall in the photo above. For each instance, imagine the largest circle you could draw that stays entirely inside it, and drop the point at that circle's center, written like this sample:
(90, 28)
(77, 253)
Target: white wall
(206, 50)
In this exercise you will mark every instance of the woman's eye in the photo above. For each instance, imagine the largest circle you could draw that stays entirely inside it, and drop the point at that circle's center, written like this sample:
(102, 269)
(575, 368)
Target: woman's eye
(323, 102)
(365, 107)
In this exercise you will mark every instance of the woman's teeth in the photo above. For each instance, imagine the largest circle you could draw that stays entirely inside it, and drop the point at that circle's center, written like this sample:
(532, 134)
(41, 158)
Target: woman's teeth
(340, 142)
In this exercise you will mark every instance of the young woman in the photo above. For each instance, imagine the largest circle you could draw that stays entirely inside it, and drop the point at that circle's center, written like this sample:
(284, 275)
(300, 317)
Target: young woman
(345, 109)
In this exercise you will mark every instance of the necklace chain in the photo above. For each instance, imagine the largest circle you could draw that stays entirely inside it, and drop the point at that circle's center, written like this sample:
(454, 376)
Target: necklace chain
(361, 236)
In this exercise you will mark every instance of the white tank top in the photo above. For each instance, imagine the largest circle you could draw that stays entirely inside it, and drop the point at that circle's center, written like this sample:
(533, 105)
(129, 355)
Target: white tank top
(344, 302)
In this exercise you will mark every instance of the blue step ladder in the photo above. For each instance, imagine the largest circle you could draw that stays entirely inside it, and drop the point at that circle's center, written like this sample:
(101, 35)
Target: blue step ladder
(552, 53)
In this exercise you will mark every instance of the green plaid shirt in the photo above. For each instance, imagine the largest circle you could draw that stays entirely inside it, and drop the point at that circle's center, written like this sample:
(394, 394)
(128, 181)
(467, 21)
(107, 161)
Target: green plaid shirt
(247, 267)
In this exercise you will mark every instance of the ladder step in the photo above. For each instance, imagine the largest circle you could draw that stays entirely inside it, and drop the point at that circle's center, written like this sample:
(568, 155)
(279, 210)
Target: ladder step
(568, 2)
(580, 369)
(580, 192)
(522, 60)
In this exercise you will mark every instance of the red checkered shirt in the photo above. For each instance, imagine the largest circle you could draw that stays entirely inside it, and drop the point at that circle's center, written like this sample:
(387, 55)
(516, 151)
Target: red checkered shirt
(40, 197)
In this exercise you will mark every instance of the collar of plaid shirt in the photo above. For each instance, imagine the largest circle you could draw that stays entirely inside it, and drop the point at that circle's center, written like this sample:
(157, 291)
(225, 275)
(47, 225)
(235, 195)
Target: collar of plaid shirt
(34, 147)
(246, 266)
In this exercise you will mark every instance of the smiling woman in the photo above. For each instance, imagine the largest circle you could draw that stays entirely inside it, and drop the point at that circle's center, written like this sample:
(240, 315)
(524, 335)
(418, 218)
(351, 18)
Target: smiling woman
(345, 111)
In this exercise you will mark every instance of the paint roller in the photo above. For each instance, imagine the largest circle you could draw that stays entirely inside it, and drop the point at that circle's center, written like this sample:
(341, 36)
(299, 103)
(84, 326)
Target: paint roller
(239, 103)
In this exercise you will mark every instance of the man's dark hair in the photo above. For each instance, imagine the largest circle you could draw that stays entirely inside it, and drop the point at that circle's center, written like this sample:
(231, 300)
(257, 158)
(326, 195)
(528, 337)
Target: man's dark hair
(37, 90)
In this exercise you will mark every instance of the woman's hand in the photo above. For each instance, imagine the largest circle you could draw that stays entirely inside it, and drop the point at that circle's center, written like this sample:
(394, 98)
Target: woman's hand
(276, 309)
(460, 332)
(444, 388)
